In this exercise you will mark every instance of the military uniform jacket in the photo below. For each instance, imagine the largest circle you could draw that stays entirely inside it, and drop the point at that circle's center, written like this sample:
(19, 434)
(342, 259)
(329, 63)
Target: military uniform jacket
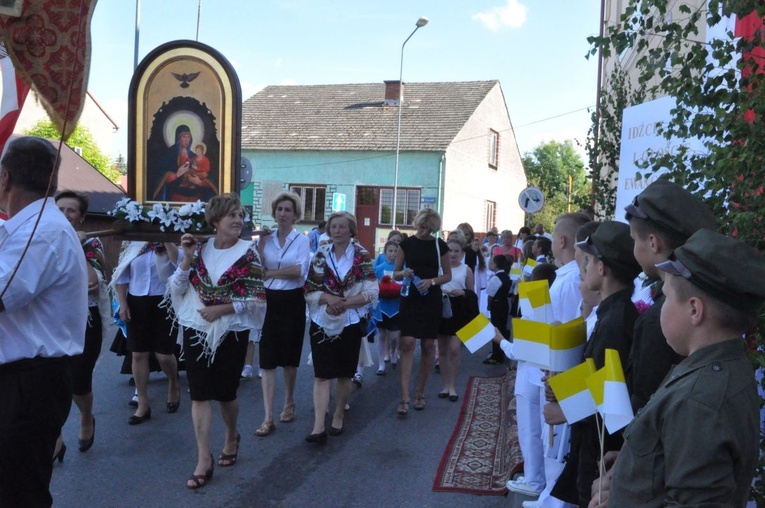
(650, 358)
(696, 441)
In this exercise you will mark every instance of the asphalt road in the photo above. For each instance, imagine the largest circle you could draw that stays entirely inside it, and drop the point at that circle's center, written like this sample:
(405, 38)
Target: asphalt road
(380, 460)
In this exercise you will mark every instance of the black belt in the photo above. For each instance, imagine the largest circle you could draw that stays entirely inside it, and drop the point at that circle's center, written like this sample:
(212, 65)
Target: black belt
(30, 364)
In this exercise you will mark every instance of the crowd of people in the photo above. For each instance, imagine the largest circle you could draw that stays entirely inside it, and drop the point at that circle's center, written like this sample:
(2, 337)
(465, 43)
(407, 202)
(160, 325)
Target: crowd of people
(674, 299)
(694, 440)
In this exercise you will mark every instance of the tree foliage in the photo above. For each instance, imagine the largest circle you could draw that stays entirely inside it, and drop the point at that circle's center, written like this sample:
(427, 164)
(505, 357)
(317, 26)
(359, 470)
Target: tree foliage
(82, 138)
(548, 167)
(719, 101)
(604, 140)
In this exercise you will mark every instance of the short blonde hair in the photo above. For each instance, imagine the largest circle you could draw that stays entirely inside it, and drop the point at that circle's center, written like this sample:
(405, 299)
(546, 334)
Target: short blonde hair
(297, 203)
(352, 225)
(457, 236)
(220, 206)
(429, 218)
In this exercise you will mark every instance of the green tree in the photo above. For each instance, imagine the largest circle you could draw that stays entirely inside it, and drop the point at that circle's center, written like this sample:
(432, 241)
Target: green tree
(717, 101)
(549, 167)
(604, 140)
(120, 164)
(82, 138)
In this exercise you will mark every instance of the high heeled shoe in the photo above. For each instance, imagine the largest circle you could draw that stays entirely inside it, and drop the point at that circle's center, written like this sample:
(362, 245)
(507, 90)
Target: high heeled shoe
(200, 480)
(85, 444)
(229, 459)
(137, 420)
(317, 438)
(60, 455)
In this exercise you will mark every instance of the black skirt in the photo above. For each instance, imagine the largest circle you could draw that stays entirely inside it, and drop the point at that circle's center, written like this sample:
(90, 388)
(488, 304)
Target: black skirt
(281, 342)
(420, 316)
(335, 357)
(82, 365)
(218, 380)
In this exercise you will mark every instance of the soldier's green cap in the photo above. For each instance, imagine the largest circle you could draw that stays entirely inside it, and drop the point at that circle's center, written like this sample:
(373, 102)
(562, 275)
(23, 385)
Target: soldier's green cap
(612, 244)
(671, 208)
(721, 266)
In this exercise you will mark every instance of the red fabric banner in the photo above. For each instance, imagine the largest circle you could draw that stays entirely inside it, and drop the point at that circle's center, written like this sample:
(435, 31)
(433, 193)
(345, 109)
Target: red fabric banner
(14, 93)
(50, 48)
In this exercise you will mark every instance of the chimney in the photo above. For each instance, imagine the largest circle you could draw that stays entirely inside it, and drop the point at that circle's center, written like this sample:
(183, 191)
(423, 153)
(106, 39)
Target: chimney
(392, 92)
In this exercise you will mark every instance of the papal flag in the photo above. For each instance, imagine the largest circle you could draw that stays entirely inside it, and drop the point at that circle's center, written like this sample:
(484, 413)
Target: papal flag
(515, 272)
(534, 301)
(567, 344)
(609, 389)
(531, 341)
(477, 333)
(529, 266)
(570, 388)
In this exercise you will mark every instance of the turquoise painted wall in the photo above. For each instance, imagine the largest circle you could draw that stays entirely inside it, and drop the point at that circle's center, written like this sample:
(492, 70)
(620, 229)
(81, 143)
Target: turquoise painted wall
(343, 170)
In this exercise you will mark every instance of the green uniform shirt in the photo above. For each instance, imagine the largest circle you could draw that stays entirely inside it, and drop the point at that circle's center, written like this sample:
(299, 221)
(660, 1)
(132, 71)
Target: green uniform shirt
(696, 441)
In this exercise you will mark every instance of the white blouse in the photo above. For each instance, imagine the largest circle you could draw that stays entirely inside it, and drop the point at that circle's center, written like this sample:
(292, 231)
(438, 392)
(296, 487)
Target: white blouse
(459, 276)
(296, 251)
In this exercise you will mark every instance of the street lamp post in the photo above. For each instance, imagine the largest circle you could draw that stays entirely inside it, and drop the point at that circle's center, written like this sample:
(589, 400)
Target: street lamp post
(420, 23)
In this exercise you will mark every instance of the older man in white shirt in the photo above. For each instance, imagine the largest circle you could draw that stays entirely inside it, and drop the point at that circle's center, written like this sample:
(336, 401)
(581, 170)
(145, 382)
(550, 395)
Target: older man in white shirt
(43, 312)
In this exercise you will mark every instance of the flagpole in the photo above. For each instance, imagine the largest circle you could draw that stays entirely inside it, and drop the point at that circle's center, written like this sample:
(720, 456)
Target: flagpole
(137, 31)
(601, 464)
(199, 18)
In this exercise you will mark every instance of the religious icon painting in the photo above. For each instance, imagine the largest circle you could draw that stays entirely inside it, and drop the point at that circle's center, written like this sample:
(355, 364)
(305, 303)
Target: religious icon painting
(184, 136)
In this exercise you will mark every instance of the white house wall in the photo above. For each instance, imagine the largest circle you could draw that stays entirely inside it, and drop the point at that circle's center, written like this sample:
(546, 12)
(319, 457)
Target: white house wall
(470, 181)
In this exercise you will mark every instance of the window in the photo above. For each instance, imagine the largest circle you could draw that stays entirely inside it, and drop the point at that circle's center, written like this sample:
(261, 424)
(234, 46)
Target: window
(493, 148)
(314, 200)
(407, 205)
(489, 215)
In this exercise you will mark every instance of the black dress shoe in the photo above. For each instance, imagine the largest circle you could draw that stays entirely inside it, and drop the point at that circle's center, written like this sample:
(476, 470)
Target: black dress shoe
(85, 444)
(335, 431)
(317, 438)
(172, 407)
(137, 420)
(454, 398)
(443, 395)
(60, 455)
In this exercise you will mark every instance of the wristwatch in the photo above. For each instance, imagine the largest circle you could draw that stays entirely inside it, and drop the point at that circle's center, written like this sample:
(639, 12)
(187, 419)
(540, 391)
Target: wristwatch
(433, 282)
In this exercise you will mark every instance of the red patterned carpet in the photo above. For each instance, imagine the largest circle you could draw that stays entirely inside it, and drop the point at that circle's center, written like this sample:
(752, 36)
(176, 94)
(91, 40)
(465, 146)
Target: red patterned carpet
(483, 450)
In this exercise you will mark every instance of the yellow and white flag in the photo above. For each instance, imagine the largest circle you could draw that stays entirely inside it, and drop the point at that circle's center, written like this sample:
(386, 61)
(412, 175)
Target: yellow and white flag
(618, 409)
(534, 301)
(528, 267)
(531, 342)
(609, 389)
(567, 344)
(476, 333)
(570, 389)
(515, 272)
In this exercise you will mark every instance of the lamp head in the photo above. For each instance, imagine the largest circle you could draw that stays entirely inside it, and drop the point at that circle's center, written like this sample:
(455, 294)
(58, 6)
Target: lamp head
(422, 22)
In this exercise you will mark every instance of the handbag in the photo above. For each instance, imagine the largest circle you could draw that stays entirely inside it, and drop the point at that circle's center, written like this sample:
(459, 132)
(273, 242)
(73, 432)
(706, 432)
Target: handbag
(446, 307)
(389, 288)
(446, 303)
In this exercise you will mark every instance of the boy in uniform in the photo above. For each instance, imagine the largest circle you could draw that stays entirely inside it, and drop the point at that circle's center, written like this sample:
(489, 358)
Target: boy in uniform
(696, 440)
(661, 219)
(609, 268)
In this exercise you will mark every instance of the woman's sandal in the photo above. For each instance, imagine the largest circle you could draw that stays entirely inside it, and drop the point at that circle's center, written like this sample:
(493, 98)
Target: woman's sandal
(419, 402)
(229, 459)
(288, 414)
(265, 429)
(200, 480)
(403, 408)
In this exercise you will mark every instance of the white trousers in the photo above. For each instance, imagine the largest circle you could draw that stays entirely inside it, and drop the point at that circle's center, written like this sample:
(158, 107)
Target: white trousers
(529, 428)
